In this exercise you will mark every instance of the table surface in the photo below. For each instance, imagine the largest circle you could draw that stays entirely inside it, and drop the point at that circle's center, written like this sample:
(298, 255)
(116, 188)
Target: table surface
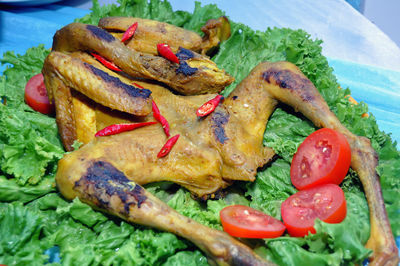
(363, 57)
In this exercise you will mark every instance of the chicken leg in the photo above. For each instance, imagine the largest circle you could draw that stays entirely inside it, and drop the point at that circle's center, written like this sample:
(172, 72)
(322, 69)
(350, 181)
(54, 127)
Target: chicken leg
(105, 187)
(286, 83)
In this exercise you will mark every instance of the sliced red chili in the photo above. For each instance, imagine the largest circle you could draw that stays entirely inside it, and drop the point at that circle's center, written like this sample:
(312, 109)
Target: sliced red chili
(105, 62)
(129, 32)
(119, 128)
(137, 85)
(157, 116)
(209, 106)
(168, 146)
(165, 51)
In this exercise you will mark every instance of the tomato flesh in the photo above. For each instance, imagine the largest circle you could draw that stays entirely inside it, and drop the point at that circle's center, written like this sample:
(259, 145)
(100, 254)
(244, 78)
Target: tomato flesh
(323, 158)
(36, 95)
(299, 211)
(246, 222)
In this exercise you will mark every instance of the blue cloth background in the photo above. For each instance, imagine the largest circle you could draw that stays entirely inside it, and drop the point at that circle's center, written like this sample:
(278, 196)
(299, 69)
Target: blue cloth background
(357, 4)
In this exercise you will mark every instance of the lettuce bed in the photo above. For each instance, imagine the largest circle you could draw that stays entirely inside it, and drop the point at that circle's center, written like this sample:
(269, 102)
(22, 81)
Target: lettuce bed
(35, 218)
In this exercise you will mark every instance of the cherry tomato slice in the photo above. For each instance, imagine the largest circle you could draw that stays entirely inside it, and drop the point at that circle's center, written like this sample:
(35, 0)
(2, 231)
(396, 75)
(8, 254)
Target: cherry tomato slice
(323, 158)
(299, 211)
(243, 221)
(36, 95)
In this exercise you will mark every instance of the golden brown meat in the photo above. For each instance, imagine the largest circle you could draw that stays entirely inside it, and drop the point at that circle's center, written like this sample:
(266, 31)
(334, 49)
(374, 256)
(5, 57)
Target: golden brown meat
(195, 162)
(150, 32)
(195, 74)
(62, 72)
(226, 145)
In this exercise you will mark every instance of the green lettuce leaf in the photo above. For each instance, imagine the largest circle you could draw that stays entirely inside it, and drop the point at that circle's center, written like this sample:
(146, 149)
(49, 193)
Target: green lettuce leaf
(207, 214)
(29, 143)
(187, 258)
(389, 171)
(20, 68)
(20, 231)
(271, 188)
(10, 190)
(83, 236)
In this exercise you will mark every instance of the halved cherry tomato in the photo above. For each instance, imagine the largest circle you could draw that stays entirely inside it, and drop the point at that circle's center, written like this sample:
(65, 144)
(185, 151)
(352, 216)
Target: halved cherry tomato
(36, 95)
(299, 211)
(243, 221)
(323, 158)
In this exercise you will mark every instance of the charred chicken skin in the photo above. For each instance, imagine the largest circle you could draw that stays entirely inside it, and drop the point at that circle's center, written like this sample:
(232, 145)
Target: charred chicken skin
(195, 75)
(107, 172)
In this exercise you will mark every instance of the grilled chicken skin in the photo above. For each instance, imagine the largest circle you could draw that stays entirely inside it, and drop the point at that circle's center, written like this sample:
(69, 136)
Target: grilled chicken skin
(74, 108)
(106, 188)
(209, 153)
(195, 74)
(226, 145)
(149, 33)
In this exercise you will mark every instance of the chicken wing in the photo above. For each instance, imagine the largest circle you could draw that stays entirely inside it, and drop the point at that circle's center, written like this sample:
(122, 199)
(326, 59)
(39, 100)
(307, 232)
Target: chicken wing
(195, 74)
(62, 72)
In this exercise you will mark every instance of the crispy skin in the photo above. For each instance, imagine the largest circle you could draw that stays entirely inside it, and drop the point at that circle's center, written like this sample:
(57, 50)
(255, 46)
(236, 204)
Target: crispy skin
(84, 117)
(201, 160)
(98, 85)
(61, 94)
(150, 32)
(206, 78)
(210, 150)
(91, 116)
(75, 111)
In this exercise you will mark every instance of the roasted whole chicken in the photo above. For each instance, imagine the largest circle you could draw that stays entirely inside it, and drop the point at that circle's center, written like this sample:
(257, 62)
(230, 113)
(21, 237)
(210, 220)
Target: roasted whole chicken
(211, 153)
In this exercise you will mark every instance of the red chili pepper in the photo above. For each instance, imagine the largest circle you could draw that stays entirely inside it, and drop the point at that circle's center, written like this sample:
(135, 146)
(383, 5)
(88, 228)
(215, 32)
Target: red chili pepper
(119, 128)
(105, 62)
(165, 51)
(168, 146)
(157, 115)
(137, 85)
(209, 106)
(129, 32)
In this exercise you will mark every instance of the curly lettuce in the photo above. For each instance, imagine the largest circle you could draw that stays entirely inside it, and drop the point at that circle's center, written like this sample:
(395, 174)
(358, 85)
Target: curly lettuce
(29, 143)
